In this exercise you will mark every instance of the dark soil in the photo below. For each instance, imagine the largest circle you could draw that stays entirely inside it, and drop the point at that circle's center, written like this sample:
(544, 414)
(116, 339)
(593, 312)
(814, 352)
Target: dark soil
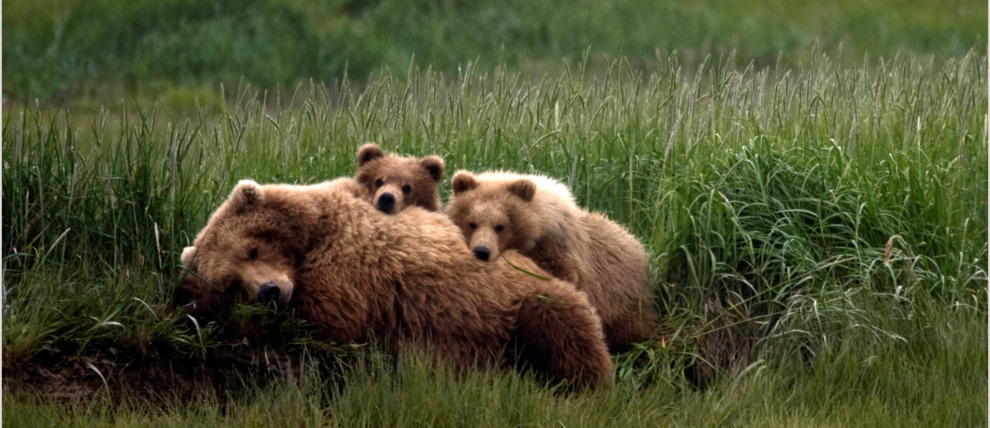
(57, 372)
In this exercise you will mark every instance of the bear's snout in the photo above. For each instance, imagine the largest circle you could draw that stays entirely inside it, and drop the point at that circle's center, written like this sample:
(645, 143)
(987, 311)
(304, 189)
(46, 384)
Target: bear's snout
(269, 292)
(386, 203)
(482, 252)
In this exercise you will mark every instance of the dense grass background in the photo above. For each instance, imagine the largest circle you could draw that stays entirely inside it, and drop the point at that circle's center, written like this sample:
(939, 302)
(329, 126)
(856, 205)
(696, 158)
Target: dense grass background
(172, 50)
(818, 234)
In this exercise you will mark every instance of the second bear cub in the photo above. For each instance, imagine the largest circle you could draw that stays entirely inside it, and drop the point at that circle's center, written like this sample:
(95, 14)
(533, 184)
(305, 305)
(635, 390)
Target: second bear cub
(393, 182)
(538, 217)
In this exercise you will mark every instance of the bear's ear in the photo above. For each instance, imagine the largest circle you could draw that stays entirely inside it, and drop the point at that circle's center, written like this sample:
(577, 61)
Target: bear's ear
(463, 181)
(434, 165)
(368, 153)
(524, 188)
(246, 194)
(186, 259)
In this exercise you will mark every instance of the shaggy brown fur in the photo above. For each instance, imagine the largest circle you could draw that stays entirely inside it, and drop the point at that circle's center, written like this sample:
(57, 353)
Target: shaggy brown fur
(356, 274)
(393, 183)
(199, 299)
(537, 216)
(192, 287)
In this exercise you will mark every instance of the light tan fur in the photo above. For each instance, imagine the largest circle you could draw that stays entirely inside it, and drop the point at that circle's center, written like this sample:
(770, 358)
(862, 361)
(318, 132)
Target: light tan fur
(537, 216)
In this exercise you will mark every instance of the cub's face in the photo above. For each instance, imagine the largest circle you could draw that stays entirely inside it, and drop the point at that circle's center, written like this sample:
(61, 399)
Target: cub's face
(493, 218)
(486, 227)
(395, 183)
(248, 248)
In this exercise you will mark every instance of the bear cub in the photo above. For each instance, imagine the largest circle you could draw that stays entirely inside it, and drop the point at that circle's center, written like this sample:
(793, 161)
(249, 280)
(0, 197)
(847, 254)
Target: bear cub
(393, 182)
(537, 216)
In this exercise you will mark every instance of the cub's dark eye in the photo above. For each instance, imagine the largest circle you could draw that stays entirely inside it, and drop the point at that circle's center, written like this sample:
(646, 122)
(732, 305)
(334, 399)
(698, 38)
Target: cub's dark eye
(253, 254)
(406, 189)
(473, 226)
(379, 182)
(499, 228)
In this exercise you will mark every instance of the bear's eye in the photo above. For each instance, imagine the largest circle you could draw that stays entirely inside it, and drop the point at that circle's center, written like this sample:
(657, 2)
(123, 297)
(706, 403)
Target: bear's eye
(253, 254)
(379, 182)
(406, 189)
(499, 228)
(473, 226)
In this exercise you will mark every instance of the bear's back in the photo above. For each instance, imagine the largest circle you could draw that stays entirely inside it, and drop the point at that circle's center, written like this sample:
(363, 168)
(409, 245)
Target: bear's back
(549, 190)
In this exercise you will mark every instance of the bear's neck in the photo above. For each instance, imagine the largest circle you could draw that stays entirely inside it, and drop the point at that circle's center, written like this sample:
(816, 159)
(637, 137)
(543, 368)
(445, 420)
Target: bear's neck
(341, 269)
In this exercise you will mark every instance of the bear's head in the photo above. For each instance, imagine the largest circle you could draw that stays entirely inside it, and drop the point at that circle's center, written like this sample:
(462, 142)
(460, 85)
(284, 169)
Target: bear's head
(395, 182)
(493, 216)
(251, 244)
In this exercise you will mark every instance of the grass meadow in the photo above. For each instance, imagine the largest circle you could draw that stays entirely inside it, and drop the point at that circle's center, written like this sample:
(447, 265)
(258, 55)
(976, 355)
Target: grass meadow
(818, 235)
(810, 180)
(85, 53)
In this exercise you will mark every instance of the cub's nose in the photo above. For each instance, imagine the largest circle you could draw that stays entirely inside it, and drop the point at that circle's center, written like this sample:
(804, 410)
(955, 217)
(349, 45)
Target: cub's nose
(482, 252)
(386, 203)
(269, 292)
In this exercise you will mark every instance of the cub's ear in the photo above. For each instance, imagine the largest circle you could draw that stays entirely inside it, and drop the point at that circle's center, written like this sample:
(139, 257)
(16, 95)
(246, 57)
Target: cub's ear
(186, 259)
(246, 194)
(463, 181)
(434, 165)
(524, 188)
(368, 153)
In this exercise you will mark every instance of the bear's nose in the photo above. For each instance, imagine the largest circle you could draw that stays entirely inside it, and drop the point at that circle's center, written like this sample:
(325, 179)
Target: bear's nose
(386, 202)
(269, 292)
(482, 252)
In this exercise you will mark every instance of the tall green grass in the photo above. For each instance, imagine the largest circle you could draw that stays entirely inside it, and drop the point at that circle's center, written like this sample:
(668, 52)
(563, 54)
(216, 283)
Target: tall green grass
(823, 227)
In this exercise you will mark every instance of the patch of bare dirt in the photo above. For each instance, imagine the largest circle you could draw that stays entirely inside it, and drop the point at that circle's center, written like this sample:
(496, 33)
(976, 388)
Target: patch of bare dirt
(60, 373)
